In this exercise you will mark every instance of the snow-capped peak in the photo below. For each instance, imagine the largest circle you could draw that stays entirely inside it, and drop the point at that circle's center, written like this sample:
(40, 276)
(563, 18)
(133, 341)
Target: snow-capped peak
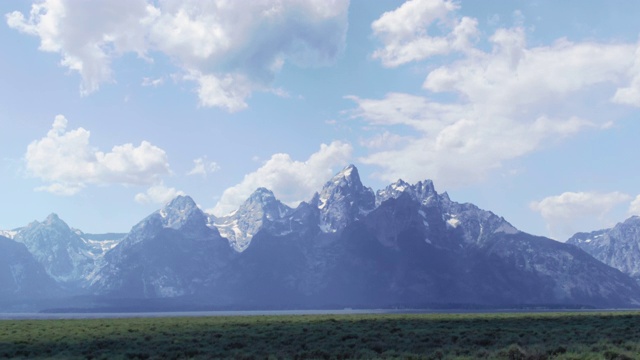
(65, 253)
(180, 203)
(260, 209)
(179, 211)
(422, 191)
(400, 185)
(343, 199)
(348, 176)
(348, 171)
(261, 195)
(53, 220)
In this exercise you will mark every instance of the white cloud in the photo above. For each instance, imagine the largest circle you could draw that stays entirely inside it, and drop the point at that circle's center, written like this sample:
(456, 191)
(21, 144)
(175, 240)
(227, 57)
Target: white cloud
(452, 144)
(383, 140)
(634, 207)
(500, 104)
(630, 95)
(512, 76)
(152, 82)
(229, 92)
(65, 159)
(202, 166)
(228, 48)
(569, 212)
(157, 194)
(88, 35)
(61, 189)
(291, 181)
(405, 32)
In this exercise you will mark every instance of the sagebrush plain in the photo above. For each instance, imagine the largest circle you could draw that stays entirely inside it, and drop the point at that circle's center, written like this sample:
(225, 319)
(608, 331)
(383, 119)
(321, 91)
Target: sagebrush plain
(588, 335)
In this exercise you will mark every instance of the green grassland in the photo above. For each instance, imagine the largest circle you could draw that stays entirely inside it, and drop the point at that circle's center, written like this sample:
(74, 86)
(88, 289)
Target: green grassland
(602, 335)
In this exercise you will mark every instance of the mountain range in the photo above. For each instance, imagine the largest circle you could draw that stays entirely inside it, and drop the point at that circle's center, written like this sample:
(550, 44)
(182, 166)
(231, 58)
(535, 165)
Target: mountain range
(404, 246)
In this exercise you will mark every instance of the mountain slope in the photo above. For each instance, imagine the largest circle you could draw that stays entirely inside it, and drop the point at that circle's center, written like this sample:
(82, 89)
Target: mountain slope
(416, 248)
(170, 253)
(21, 276)
(67, 255)
(618, 247)
(403, 246)
(260, 210)
(343, 199)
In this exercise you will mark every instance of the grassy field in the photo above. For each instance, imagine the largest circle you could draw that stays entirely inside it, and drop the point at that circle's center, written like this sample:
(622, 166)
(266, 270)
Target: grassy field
(614, 335)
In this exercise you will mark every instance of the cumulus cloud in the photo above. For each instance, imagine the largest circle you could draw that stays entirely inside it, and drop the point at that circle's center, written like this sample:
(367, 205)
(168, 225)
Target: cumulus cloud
(452, 144)
(87, 35)
(202, 166)
(290, 180)
(152, 82)
(61, 189)
(157, 194)
(229, 49)
(569, 212)
(489, 106)
(383, 140)
(513, 75)
(634, 207)
(630, 95)
(406, 31)
(65, 159)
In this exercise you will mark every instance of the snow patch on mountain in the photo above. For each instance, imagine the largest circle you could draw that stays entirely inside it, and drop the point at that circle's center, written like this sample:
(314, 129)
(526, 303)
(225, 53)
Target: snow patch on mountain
(10, 234)
(618, 247)
(403, 242)
(343, 199)
(423, 191)
(260, 211)
(453, 222)
(179, 211)
(67, 255)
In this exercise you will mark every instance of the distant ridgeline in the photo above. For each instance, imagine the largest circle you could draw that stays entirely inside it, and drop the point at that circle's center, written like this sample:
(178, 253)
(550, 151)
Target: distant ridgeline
(405, 246)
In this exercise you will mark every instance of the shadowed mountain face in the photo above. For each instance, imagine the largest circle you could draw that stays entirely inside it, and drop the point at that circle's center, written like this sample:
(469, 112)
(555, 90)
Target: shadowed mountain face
(418, 248)
(69, 256)
(404, 246)
(21, 276)
(171, 253)
(618, 247)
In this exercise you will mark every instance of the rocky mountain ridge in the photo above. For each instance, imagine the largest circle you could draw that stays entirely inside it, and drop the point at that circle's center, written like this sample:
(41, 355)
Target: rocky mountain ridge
(402, 246)
(618, 247)
(67, 255)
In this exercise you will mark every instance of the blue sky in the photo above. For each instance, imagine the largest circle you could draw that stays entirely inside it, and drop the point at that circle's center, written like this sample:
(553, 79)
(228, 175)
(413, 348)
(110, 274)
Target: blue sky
(529, 109)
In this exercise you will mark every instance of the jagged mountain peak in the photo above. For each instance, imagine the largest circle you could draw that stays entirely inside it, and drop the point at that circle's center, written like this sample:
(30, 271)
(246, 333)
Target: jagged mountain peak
(347, 177)
(425, 187)
(349, 171)
(65, 255)
(51, 223)
(633, 220)
(618, 247)
(54, 221)
(422, 191)
(180, 211)
(344, 183)
(259, 210)
(261, 195)
(343, 199)
(52, 218)
(262, 202)
(181, 202)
